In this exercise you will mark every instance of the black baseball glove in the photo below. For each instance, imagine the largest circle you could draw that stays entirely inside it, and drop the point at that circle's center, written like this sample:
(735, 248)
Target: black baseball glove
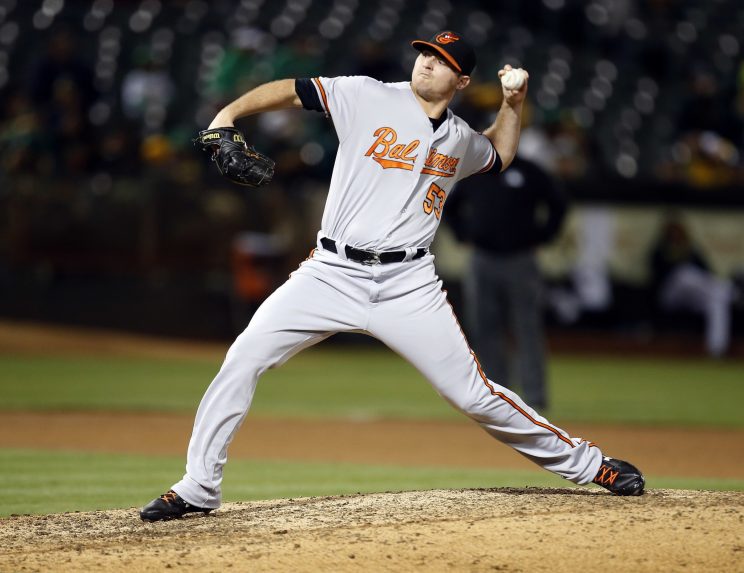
(237, 161)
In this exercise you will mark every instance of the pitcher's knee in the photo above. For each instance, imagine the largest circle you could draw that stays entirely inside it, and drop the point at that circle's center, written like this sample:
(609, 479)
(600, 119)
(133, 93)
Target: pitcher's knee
(243, 367)
(244, 342)
(254, 346)
(479, 408)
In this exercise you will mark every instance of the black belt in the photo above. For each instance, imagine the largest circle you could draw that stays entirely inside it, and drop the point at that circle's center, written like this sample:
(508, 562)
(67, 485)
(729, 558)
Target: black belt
(371, 257)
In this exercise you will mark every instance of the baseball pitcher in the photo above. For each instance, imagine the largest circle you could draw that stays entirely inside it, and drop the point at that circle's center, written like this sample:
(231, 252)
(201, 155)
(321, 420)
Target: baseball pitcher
(401, 151)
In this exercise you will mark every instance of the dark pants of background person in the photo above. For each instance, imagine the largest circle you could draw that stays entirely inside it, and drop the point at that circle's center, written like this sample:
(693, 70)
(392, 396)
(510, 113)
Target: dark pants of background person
(503, 300)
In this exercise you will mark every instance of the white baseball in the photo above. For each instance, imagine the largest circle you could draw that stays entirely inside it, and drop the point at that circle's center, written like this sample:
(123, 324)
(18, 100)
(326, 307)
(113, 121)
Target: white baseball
(513, 79)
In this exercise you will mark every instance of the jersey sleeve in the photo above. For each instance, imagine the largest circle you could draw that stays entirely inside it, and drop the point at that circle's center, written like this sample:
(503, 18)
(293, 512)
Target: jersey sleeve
(305, 90)
(480, 157)
(339, 98)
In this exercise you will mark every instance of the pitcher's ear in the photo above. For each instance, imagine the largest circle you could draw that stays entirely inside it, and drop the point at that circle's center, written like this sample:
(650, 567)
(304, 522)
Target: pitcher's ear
(463, 82)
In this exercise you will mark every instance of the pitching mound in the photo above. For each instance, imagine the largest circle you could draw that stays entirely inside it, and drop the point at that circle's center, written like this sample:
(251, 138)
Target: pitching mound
(467, 530)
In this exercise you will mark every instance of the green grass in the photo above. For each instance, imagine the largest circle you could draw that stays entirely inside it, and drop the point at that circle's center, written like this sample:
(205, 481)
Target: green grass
(41, 482)
(369, 382)
(648, 391)
(328, 382)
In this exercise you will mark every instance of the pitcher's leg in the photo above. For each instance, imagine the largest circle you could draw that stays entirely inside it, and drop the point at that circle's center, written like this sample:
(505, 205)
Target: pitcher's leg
(299, 314)
(423, 329)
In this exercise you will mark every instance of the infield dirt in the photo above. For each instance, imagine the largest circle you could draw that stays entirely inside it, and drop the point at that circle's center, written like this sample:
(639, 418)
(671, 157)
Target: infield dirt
(512, 530)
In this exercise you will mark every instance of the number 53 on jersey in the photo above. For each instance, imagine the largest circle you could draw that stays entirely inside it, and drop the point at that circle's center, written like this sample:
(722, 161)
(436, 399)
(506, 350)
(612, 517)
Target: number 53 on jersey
(434, 201)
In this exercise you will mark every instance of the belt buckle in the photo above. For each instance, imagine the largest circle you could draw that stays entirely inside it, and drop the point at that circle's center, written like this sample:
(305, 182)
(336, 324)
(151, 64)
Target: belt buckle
(375, 260)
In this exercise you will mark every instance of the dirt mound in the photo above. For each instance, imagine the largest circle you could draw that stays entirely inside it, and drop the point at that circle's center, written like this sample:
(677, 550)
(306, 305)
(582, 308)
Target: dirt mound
(529, 529)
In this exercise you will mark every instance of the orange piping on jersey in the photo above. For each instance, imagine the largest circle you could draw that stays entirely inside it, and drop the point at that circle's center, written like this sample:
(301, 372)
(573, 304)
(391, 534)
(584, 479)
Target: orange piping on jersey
(490, 163)
(426, 171)
(322, 93)
(530, 418)
(392, 164)
(501, 394)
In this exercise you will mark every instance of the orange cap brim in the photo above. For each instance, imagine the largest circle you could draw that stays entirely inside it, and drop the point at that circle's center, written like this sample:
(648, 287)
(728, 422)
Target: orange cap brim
(420, 44)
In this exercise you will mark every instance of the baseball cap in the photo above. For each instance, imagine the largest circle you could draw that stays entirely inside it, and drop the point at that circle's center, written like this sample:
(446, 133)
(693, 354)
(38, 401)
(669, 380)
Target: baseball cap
(452, 47)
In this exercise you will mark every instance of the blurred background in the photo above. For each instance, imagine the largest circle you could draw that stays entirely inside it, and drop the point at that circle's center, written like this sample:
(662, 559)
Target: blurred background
(109, 217)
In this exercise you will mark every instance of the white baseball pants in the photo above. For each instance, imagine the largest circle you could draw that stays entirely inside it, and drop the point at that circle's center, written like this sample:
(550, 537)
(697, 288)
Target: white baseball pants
(402, 305)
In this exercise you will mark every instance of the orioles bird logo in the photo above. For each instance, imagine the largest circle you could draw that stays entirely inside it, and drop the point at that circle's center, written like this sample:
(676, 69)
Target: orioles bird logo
(447, 38)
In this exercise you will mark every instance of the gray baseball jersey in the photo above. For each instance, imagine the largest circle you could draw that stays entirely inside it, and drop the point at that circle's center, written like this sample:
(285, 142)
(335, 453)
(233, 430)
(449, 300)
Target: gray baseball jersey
(392, 176)
(389, 185)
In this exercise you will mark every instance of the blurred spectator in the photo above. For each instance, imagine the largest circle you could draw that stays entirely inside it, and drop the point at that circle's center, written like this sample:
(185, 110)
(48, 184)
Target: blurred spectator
(254, 57)
(62, 90)
(705, 154)
(708, 107)
(573, 155)
(300, 57)
(683, 281)
(702, 159)
(740, 93)
(238, 69)
(558, 144)
(506, 216)
(62, 63)
(21, 136)
(157, 151)
(118, 149)
(589, 287)
(146, 91)
(70, 132)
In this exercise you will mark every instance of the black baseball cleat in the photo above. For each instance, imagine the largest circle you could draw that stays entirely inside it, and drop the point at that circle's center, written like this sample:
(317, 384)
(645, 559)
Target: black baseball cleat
(620, 477)
(170, 505)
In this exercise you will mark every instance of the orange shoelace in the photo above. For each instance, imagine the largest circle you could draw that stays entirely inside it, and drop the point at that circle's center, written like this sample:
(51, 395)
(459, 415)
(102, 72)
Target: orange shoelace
(169, 496)
(606, 476)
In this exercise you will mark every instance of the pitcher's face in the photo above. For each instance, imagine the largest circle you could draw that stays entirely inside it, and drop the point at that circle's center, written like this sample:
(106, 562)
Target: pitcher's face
(433, 78)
